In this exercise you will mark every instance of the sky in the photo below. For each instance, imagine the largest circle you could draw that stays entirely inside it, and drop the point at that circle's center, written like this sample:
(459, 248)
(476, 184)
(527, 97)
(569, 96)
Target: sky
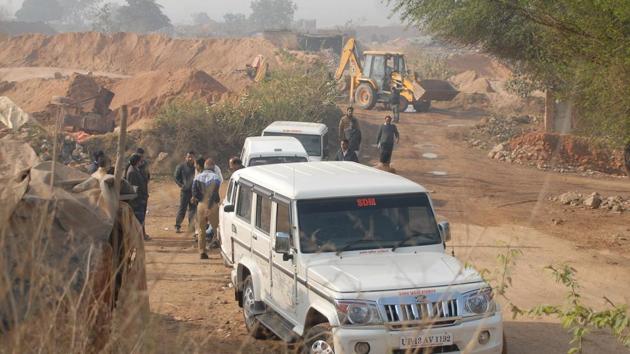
(328, 13)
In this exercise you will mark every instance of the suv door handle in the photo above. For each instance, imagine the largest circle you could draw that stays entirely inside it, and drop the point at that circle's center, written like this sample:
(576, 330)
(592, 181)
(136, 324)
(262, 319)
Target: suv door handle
(233, 228)
(255, 237)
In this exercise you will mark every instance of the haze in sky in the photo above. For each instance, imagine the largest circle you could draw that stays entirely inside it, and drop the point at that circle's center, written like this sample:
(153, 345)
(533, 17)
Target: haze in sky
(327, 12)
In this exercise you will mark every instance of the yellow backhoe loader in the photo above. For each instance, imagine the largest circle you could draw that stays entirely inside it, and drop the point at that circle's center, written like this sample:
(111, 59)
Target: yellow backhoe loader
(370, 80)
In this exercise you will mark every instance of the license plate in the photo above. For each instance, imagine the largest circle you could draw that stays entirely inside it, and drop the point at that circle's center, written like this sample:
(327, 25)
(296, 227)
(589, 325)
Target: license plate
(421, 341)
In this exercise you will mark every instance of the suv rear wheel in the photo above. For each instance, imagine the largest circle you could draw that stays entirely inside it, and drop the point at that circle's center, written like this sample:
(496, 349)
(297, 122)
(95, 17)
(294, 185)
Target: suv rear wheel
(254, 327)
(318, 340)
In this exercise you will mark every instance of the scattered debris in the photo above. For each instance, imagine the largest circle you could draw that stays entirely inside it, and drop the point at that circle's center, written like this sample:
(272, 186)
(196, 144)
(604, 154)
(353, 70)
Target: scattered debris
(593, 201)
(499, 129)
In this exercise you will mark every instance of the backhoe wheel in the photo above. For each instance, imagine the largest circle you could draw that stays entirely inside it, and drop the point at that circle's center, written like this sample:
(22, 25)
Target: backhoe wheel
(402, 106)
(364, 96)
(318, 340)
(422, 106)
(254, 327)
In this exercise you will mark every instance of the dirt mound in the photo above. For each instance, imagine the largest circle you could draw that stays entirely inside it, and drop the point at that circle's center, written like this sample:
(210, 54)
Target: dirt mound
(147, 92)
(570, 153)
(483, 65)
(130, 53)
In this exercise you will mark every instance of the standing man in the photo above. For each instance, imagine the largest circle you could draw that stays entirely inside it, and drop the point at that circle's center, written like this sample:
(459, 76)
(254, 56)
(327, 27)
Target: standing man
(184, 175)
(626, 157)
(346, 121)
(345, 153)
(235, 164)
(136, 178)
(387, 136)
(353, 135)
(394, 101)
(205, 193)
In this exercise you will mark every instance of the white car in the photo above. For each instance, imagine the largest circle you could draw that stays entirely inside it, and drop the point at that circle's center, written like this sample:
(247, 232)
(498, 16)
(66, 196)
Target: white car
(313, 136)
(266, 150)
(344, 258)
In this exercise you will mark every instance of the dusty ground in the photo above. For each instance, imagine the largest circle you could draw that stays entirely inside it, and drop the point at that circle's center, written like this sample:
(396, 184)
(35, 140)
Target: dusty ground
(490, 204)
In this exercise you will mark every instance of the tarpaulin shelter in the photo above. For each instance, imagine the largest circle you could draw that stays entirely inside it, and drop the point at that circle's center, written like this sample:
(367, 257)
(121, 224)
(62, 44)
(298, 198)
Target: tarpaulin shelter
(71, 257)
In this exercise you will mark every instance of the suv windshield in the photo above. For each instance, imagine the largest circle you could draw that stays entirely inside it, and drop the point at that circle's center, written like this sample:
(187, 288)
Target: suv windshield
(257, 161)
(312, 143)
(367, 222)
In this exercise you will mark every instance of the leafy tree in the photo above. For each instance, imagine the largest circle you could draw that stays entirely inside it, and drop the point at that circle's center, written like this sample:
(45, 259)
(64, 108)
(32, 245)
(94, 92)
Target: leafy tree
(272, 14)
(79, 11)
(141, 16)
(578, 49)
(104, 18)
(201, 18)
(39, 11)
(235, 24)
(4, 13)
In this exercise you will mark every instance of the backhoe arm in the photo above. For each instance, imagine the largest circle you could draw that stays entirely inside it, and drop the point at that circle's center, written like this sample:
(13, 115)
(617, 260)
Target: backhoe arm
(349, 56)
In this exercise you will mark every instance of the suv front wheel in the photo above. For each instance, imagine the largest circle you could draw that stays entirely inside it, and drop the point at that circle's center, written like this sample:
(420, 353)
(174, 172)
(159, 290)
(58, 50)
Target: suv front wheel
(318, 340)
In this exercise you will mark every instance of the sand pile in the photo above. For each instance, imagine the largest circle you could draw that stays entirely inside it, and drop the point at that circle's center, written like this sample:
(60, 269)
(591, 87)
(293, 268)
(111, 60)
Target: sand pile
(130, 53)
(470, 82)
(483, 65)
(145, 93)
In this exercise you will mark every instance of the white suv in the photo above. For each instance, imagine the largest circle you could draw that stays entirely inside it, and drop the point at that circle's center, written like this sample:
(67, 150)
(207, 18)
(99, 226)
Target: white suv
(343, 258)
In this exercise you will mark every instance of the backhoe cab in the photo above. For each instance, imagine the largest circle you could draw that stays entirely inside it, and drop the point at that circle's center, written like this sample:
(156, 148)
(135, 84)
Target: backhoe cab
(370, 80)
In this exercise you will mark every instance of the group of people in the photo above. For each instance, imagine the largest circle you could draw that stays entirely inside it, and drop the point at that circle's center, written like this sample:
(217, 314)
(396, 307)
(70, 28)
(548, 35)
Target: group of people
(200, 181)
(350, 138)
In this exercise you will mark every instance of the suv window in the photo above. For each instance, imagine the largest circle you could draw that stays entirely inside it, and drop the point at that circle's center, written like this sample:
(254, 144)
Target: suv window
(244, 203)
(283, 218)
(263, 213)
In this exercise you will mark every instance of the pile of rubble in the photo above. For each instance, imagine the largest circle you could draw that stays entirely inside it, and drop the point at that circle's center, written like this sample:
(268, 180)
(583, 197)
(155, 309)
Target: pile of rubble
(498, 129)
(593, 201)
(561, 153)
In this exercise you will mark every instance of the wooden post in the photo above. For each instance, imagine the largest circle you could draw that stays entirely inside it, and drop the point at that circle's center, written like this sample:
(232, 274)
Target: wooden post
(550, 111)
(120, 156)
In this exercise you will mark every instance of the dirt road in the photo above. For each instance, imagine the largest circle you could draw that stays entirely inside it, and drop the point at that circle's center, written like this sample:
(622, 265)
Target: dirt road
(490, 205)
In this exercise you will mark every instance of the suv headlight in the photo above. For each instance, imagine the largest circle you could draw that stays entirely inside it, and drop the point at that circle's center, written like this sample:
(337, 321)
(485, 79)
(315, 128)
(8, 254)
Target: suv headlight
(357, 312)
(479, 301)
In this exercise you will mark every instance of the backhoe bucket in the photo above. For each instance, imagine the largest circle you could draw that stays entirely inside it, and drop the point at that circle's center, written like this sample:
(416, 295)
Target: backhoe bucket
(434, 90)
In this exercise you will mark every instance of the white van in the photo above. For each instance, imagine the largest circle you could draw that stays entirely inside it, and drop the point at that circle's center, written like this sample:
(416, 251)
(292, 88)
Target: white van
(314, 136)
(259, 150)
(344, 258)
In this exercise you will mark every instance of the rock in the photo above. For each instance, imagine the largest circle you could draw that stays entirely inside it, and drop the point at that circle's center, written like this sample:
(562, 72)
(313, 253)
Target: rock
(593, 201)
(58, 75)
(498, 148)
(161, 157)
(570, 198)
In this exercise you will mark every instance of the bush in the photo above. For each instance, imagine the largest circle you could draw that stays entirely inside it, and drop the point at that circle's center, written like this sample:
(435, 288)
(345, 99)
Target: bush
(296, 94)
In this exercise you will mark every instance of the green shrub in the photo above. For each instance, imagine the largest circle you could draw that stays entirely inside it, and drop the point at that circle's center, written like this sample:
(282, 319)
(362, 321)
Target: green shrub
(296, 94)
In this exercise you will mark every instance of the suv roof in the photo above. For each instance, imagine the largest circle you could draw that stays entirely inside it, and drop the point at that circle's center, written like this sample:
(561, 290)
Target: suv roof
(327, 179)
(296, 127)
(277, 145)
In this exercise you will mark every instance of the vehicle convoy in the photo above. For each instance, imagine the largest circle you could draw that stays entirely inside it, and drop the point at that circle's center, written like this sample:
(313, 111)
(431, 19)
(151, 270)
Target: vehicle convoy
(265, 150)
(369, 80)
(338, 257)
(313, 136)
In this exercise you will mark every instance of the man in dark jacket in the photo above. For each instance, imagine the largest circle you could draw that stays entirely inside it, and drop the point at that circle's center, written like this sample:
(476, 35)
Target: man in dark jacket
(353, 134)
(205, 193)
(136, 178)
(99, 157)
(345, 153)
(626, 157)
(387, 136)
(394, 101)
(184, 175)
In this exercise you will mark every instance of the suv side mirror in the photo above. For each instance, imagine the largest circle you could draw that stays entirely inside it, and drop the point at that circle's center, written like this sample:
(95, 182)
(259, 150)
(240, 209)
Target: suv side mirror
(445, 231)
(282, 244)
(228, 208)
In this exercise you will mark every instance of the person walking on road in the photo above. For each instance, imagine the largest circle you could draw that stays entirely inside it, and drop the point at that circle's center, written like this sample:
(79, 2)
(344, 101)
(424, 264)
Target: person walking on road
(385, 139)
(394, 102)
(184, 175)
(205, 193)
(345, 153)
(136, 178)
(346, 121)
